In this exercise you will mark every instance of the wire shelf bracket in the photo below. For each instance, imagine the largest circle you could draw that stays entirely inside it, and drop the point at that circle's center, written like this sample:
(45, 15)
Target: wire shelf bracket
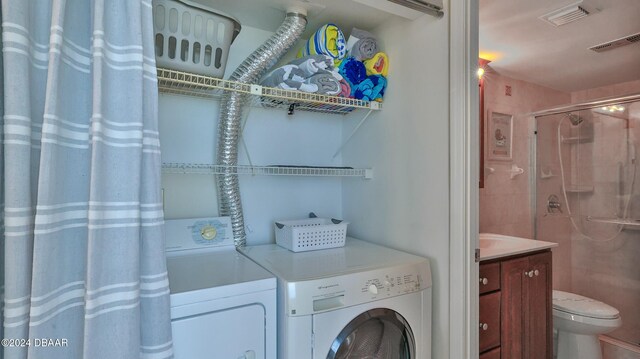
(355, 129)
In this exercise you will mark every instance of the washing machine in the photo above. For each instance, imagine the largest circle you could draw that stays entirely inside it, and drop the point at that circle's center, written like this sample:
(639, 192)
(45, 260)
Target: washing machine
(222, 304)
(360, 301)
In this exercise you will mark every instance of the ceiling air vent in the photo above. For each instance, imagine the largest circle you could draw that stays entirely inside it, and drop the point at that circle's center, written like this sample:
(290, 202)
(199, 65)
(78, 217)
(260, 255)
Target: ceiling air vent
(623, 41)
(565, 15)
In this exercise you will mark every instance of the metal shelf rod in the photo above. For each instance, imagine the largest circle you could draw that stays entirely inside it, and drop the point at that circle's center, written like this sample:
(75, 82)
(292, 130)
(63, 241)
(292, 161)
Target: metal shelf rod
(211, 169)
(623, 221)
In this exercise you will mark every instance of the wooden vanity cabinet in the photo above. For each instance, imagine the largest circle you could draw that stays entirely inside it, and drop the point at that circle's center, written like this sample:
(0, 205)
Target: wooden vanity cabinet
(491, 354)
(519, 305)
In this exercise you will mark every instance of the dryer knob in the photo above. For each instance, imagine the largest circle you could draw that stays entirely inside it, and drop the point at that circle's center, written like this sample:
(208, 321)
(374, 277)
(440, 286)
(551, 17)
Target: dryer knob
(373, 289)
(208, 232)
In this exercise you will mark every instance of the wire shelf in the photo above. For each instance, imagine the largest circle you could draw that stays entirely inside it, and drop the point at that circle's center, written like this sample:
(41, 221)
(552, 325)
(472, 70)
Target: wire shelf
(185, 83)
(211, 169)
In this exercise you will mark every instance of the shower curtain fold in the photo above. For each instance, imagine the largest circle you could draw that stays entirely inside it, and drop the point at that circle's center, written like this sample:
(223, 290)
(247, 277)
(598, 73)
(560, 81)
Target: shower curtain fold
(81, 220)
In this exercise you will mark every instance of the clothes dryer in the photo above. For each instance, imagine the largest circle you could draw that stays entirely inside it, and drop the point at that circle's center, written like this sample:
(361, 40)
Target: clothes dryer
(359, 301)
(222, 304)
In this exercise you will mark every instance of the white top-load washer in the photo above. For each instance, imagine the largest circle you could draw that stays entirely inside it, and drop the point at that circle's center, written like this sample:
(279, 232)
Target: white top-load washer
(222, 304)
(359, 301)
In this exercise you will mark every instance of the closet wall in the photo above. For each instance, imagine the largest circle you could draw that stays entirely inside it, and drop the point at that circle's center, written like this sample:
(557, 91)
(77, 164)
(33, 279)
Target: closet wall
(406, 204)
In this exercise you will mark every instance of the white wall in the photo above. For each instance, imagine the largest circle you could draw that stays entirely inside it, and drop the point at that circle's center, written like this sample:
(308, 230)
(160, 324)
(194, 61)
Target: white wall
(406, 204)
(188, 133)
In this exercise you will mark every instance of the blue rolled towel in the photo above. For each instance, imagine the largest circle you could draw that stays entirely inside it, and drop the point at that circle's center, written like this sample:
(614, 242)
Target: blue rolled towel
(371, 89)
(353, 71)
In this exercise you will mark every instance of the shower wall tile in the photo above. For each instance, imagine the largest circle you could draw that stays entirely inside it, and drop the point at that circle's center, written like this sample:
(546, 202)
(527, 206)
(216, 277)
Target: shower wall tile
(621, 89)
(555, 228)
(505, 203)
(562, 268)
(519, 229)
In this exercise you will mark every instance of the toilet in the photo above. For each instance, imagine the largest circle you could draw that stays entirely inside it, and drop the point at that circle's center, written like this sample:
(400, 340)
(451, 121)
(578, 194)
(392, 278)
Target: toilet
(579, 320)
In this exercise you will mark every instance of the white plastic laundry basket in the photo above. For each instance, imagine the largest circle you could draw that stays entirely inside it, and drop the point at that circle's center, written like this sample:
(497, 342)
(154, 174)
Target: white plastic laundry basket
(311, 234)
(192, 37)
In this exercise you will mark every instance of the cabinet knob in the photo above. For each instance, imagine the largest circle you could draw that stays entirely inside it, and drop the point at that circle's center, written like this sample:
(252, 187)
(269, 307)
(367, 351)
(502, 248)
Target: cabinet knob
(528, 274)
(536, 272)
(484, 326)
(484, 281)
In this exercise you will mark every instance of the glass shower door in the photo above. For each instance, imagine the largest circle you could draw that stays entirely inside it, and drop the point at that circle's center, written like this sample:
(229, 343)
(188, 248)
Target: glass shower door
(588, 201)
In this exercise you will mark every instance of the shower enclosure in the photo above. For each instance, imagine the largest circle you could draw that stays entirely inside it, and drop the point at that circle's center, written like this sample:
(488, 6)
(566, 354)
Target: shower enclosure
(587, 195)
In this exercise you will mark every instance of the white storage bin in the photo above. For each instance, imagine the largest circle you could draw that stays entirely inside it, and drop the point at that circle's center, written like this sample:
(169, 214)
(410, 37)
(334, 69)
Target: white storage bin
(191, 37)
(311, 234)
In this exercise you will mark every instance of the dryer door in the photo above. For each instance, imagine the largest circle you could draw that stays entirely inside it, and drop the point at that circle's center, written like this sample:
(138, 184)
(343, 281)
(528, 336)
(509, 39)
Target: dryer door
(375, 334)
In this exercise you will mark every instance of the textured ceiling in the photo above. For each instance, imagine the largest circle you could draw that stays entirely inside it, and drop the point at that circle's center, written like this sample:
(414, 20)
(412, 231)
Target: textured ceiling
(524, 47)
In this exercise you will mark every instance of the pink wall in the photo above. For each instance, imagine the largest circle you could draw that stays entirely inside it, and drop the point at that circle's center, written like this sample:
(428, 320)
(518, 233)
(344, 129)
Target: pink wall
(606, 271)
(505, 206)
(621, 89)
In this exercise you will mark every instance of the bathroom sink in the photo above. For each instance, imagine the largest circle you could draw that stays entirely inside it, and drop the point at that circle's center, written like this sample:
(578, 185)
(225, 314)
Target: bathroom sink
(497, 245)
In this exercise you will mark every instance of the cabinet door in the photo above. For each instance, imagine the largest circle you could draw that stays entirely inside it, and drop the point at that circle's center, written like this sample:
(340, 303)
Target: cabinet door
(538, 322)
(489, 277)
(512, 336)
(493, 354)
(489, 321)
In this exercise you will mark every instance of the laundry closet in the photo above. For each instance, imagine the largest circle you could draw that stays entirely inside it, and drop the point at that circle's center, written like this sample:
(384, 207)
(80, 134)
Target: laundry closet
(383, 168)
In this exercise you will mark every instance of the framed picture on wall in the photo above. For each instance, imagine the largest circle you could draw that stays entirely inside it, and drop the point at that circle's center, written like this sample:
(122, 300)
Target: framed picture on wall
(499, 136)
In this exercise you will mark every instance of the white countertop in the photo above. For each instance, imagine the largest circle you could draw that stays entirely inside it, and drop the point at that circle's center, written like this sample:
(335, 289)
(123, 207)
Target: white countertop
(494, 246)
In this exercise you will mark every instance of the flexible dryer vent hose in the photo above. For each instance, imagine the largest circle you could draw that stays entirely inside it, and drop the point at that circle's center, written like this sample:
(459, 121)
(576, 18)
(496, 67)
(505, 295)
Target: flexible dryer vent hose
(231, 107)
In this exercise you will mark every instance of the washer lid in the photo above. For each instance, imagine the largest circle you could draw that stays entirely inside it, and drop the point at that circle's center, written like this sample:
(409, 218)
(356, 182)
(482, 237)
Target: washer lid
(206, 276)
(356, 256)
(577, 304)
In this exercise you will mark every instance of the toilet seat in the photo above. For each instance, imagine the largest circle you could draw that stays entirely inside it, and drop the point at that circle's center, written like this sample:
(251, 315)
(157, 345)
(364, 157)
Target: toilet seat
(574, 304)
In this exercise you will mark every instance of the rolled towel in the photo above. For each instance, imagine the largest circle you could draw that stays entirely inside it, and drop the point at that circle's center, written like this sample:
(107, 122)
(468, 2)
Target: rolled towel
(352, 70)
(378, 65)
(327, 84)
(313, 64)
(287, 74)
(361, 44)
(328, 40)
(371, 89)
(345, 88)
(289, 77)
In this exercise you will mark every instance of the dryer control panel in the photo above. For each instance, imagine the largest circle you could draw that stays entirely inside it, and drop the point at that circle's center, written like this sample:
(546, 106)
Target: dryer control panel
(198, 234)
(316, 296)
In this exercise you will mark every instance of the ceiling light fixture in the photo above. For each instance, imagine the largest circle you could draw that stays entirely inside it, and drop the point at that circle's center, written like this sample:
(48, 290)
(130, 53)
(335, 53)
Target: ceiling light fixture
(613, 108)
(482, 63)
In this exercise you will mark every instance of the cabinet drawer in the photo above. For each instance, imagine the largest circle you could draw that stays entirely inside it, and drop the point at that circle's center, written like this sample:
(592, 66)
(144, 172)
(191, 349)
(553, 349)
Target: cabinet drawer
(489, 277)
(492, 354)
(489, 321)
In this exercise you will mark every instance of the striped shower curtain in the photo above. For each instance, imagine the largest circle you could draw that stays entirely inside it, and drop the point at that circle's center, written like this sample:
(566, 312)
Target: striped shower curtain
(82, 224)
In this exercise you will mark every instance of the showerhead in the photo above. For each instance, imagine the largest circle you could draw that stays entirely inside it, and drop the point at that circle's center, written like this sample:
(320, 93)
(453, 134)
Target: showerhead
(575, 119)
